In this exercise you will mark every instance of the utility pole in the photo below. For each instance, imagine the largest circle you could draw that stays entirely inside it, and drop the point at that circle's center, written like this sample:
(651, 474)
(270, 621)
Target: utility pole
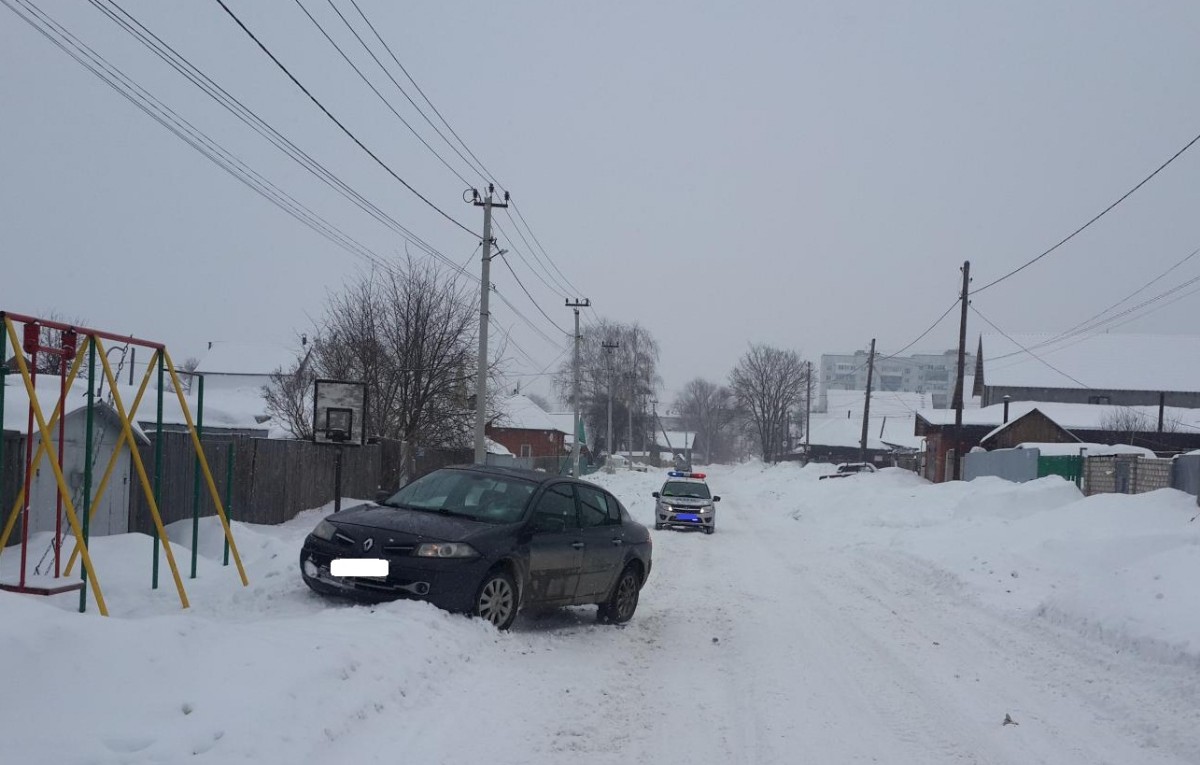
(808, 416)
(608, 443)
(484, 289)
(632, 391)
(576, 305)
(958, 384)
(862, 445)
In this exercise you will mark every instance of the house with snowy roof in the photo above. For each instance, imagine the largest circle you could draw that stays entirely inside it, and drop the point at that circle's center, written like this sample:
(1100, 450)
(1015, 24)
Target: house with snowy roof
(525, 429)
(1122, 369)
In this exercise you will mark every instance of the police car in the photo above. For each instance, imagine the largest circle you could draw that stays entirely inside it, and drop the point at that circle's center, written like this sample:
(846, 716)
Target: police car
(685, 502)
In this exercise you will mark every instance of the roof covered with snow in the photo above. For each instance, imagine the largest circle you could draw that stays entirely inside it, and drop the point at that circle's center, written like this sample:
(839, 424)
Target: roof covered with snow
(1104, 362)
(1069, 416)
(521, 413)
(245, 358)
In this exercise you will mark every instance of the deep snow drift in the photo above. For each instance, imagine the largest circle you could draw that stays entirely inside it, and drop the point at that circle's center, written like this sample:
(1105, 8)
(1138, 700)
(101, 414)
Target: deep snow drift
(873, 618)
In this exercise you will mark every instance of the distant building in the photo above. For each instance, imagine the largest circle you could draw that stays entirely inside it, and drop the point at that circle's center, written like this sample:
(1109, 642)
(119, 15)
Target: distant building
(1119, 369)
(919, 373)
(525, 429)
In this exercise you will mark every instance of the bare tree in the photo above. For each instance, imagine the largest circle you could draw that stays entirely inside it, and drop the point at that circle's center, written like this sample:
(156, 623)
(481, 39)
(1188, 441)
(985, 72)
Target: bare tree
(631, 371)
(408, 333)
(289, 397)
(1130, 421)
(768, 382)
(708, 408)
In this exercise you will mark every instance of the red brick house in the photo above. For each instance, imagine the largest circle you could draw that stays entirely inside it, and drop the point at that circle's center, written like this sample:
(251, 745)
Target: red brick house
(525, 429)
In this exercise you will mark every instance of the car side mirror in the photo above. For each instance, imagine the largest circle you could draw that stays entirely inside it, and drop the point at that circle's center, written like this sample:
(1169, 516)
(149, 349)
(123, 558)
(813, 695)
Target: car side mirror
(716, 499)
(548, 524)
(656, 495)
(383, 496)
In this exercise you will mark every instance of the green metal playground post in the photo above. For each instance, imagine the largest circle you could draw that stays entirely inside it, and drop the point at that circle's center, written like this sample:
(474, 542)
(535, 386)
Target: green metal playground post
(196, 475)
(87, 466)
(230, 453)
(158, 465)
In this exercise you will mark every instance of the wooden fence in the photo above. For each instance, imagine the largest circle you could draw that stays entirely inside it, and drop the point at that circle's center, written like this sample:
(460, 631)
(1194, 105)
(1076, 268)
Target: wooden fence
(270, 482)
(12, 474)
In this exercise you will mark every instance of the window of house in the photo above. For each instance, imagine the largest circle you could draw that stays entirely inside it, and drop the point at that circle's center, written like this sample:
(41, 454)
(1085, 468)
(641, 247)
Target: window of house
(1099, 400)
(526, 450)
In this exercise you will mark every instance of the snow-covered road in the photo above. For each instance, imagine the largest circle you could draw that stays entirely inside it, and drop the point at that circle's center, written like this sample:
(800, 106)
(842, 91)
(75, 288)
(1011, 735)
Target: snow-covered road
(777, 640)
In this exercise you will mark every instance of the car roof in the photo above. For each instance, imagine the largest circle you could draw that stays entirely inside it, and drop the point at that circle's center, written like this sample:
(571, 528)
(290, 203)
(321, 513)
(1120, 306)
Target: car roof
(681, 479)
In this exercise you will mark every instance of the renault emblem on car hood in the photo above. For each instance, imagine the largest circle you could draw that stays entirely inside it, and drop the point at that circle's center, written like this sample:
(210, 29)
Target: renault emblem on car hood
(367, 545)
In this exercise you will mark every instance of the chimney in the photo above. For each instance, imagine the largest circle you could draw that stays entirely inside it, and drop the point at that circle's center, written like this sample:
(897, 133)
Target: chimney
(1006, 398)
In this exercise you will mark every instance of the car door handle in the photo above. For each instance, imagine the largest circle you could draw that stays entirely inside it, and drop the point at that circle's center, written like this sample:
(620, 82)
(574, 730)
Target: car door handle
(617, 542)
(578, 545)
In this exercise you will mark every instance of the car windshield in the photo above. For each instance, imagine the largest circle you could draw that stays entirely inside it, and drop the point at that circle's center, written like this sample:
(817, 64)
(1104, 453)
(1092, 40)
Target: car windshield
(479, 496)
(686, 489)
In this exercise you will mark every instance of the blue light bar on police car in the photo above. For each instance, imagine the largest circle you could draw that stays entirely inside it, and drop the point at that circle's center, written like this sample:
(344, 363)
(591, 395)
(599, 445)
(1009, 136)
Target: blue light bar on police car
(680, 474)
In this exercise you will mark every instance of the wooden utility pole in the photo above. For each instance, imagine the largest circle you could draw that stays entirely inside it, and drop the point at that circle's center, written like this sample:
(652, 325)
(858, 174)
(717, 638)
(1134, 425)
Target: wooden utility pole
(958, 384)
(862, 444)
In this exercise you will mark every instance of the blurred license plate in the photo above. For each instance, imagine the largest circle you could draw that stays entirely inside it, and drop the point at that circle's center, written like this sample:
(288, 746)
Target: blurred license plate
(369, 568)
(687, 517)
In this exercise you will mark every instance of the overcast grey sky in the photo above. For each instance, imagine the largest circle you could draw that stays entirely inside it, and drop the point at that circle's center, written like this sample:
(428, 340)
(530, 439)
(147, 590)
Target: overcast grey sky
(809, 175)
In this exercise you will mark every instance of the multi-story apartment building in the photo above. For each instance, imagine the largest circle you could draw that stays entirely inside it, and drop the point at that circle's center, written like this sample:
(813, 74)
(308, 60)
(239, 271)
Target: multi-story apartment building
(919, 373)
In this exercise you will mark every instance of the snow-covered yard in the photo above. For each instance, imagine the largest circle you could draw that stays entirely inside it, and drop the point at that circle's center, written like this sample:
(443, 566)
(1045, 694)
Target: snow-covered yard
(872, 619)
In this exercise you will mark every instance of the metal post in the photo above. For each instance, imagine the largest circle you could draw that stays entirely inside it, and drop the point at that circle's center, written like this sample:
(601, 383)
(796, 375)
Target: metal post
(87, 466)
(196, 475)
(808, 417)
(575, 305)
(230, 453)
(32, 334)
(158, 445)
(959, 394)
(862, 446)
(484, 289)
(337, 480)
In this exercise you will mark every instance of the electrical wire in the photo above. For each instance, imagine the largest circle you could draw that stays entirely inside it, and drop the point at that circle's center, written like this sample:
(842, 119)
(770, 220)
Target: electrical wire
(1097, 217)
(374, 89)
(130, 24)
(338, 122)
(526, 291)
(129, 89)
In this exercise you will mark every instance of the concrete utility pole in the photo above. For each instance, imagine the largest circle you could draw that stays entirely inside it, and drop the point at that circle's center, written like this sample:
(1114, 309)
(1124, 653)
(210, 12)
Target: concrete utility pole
(608, 443)
(576, 305)
(808, 416)
(958, 384)
(862, 445)
(484, 288)
(632, 392)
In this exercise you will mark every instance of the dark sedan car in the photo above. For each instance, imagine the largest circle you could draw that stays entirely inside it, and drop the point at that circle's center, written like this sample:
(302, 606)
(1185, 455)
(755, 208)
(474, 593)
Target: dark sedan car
(487, 541)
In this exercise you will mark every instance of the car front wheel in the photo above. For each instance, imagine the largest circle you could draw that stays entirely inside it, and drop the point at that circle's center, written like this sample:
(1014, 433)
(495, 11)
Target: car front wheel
(496, 599)
(620, 606)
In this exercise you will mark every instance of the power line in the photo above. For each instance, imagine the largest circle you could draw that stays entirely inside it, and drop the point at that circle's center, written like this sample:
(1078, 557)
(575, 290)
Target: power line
(485, 172)
(371, 85)
(338, 122)
(183, 129)
(1097, 217)
(249, 117)
(526, 291)
(1073, 379)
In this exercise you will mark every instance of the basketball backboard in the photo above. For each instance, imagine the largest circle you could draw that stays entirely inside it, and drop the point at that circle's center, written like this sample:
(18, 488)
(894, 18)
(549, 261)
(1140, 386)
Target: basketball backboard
(339, 412)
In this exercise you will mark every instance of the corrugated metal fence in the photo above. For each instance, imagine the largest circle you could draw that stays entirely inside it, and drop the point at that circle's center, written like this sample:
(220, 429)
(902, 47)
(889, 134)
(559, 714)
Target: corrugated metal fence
(12, 473)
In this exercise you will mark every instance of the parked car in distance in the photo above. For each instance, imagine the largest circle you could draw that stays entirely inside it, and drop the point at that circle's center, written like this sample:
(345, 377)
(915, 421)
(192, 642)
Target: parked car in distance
(487, 541)
(850, 468)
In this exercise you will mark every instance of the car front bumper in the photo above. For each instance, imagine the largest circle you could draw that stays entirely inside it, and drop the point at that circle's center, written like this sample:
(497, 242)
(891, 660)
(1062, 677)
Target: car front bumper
(447, 584)
(672, 518)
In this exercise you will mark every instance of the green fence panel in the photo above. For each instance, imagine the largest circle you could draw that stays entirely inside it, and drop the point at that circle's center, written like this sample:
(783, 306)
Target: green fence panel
(1070, 467)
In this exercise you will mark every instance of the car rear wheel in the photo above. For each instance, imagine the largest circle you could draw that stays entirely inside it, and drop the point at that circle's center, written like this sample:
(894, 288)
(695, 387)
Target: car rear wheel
(623, 601)
(496, 600)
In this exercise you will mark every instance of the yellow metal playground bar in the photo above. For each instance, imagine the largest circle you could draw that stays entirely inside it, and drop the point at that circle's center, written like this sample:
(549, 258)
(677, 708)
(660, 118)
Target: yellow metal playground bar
(91, 344)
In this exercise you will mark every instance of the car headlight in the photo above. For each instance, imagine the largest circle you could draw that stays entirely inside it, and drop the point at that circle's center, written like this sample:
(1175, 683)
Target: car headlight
(445, 550)
(324, 530)
(665, 507)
